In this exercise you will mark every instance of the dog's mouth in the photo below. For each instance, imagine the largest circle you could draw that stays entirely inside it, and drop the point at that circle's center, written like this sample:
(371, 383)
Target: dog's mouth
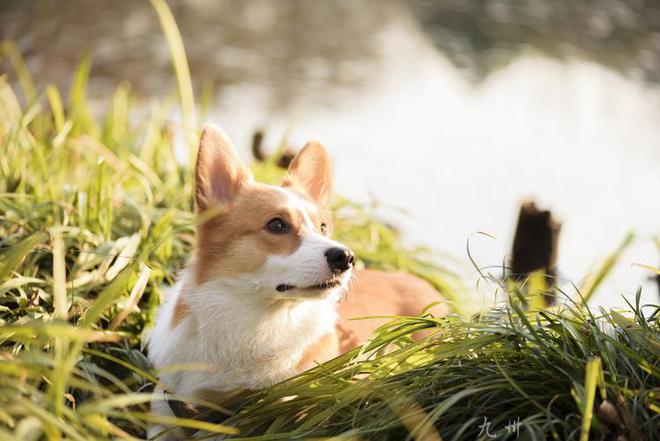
(330, 283)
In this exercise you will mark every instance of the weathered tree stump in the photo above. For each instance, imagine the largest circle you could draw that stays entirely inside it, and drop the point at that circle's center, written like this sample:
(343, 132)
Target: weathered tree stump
(657, 279)
(285, 158)
(257, 145)
(282, 161)
(535, 246)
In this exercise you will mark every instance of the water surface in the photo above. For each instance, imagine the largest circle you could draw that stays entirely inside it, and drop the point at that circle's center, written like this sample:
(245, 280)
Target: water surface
(453, 112)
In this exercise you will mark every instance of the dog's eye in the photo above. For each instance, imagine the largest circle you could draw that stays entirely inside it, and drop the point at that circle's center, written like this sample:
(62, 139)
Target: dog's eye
(324, 228)
(276, 226)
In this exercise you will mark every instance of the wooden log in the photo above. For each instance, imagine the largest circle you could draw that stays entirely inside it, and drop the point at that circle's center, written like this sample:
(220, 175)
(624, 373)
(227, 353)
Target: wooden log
(257, 146)
(284, 159)
(535, 246)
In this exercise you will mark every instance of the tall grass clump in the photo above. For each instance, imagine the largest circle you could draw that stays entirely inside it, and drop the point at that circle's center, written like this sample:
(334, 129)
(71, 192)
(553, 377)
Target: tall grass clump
(569, 374)
(96, 218)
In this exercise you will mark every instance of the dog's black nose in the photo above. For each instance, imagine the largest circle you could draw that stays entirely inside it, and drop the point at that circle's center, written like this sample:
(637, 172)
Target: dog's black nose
(339, 259)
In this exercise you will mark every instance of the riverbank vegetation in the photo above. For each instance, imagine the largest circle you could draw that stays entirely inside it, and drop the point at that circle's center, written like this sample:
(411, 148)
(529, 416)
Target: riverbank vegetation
(96, 218)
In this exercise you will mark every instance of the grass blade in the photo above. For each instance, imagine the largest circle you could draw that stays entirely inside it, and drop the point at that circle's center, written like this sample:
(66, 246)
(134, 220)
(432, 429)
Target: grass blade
(180, 64)
(11, 257)
(59, 274)
(592, 375)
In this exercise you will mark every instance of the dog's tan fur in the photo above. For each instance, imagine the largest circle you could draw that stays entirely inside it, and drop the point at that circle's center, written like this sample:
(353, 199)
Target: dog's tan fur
(377, 293)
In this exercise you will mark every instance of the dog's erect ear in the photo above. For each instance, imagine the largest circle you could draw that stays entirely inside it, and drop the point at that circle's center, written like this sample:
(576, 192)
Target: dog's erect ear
(219, 173)
(311, 172)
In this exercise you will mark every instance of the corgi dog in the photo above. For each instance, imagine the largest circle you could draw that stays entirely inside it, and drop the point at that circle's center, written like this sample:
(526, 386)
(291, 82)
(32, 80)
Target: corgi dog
(261, 298)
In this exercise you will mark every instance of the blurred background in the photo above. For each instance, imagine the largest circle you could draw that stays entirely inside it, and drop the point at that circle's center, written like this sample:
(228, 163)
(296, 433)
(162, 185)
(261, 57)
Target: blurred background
(446, 114)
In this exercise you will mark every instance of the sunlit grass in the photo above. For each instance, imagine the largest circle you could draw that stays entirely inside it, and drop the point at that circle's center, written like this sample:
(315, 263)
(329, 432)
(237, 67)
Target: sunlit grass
(95, 221)
(552, 371)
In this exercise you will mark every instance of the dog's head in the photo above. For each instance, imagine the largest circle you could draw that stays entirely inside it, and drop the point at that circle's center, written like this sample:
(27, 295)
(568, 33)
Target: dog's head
(266, 241)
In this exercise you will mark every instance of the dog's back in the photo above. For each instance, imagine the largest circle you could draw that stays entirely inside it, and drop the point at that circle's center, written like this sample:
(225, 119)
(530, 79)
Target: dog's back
(382, 294)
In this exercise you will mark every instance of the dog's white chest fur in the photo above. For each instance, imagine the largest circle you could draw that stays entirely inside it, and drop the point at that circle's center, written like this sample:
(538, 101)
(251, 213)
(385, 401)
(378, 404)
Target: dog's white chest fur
(229, 341)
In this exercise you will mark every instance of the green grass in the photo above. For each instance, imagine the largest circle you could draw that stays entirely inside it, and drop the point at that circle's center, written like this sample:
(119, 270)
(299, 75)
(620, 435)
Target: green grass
(95, 221)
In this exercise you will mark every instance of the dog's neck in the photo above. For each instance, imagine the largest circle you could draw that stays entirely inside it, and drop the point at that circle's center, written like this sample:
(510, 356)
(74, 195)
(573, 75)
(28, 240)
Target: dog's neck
(220, 309)
(248, 342)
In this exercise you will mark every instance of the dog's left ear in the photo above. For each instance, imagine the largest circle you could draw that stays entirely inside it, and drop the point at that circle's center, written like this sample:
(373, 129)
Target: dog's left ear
(311, 172)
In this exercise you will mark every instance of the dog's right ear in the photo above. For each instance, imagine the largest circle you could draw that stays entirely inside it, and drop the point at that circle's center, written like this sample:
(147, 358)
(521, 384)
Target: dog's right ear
(219, 173)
